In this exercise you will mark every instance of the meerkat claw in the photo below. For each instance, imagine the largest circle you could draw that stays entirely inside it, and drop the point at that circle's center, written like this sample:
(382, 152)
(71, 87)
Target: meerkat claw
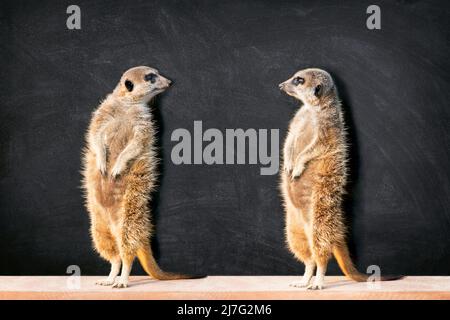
(297, 172)
(119, 285)
(315, 287)
(114, 176)
(288, 171)
(116, 171)
(101, 165)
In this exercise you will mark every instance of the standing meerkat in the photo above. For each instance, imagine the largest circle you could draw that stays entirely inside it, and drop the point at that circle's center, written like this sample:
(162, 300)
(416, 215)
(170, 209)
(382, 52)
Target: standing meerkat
(120, 172)
(314, 176)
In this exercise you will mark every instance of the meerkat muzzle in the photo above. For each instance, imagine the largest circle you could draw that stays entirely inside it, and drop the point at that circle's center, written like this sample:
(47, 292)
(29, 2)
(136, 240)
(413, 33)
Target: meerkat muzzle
(286, 87)
(165, 83)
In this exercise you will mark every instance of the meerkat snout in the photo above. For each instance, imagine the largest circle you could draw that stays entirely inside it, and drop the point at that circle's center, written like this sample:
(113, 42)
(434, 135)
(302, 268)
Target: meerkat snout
(165, 82)
(287, 88)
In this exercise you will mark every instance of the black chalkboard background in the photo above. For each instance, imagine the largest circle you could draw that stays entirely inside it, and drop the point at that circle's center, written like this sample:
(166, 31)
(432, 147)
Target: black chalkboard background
(226, 58)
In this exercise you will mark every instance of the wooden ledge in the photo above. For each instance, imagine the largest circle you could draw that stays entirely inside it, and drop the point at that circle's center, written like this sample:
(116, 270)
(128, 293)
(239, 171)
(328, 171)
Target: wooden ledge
(222, 287)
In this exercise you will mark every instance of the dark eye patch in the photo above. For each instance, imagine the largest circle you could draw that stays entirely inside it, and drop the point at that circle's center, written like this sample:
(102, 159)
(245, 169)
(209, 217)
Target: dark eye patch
(129, 85)
(298, 80)
(151, 77)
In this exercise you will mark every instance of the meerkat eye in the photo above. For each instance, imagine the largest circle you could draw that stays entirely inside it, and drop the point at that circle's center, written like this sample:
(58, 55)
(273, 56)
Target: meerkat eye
(151, 77)
(298, 80)
(318, 91)
(129, 85)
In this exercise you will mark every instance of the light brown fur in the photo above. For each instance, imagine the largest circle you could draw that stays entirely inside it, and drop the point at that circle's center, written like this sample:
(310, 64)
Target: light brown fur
(120, 172)
(314, 176)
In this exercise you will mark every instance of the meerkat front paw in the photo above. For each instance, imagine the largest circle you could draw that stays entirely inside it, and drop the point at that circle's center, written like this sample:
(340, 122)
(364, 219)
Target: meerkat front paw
(120, 284)
(287, 168)
(117, 170)
(297, 171)
(104, 282)
(101, 165)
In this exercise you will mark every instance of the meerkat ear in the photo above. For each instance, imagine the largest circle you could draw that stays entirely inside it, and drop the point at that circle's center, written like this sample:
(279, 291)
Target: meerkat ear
(129, 85)
(318, 91)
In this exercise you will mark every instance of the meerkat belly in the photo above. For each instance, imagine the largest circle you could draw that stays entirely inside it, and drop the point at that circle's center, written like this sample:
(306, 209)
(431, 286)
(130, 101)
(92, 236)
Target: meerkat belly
(302, 132)
(300, 190)
(110, 191)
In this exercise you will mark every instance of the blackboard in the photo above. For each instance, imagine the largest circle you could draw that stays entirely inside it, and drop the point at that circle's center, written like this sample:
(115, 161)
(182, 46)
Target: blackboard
(226, 59)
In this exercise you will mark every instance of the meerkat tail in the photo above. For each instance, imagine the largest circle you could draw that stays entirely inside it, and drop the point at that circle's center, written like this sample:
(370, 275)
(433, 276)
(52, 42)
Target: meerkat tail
(148, 262)
(346, 264)
(344, 261)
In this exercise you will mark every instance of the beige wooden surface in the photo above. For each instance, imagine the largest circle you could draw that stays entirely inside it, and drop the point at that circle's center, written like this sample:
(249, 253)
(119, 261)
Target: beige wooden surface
(222, 287)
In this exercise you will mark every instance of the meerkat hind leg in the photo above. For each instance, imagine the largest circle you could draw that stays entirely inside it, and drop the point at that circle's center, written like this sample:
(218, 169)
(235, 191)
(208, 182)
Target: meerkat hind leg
(299, 245)
(127, 263)
(106, 246)
(320, 278)
(322, 253)
(115, 270)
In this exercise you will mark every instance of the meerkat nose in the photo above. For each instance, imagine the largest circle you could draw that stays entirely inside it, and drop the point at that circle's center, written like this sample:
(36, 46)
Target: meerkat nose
(281, 86)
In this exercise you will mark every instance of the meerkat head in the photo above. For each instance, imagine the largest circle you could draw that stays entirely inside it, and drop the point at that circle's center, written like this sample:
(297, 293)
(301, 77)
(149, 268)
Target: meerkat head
(141, 84)
(310, 86)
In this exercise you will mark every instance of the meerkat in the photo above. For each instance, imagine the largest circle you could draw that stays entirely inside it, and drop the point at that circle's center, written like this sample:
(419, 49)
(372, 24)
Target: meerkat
(313, 178)
(119, 174)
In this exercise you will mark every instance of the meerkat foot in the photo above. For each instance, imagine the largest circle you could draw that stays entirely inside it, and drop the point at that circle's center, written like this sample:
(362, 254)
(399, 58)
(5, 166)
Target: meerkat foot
(316, 285)
(300, 284)
(105, 282)
(120, 284)
(319, 280)
(303, 283)
(109, 281)
(307, 276)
